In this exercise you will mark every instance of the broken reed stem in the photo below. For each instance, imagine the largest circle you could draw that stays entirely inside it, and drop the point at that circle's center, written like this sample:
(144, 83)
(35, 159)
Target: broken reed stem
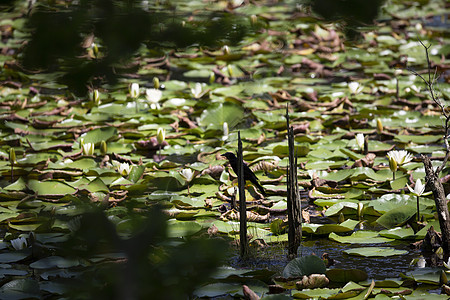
(293, 203)
(242, 204)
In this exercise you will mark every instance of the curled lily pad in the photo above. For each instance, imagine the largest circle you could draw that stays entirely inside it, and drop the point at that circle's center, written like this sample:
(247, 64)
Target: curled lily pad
(304, 266)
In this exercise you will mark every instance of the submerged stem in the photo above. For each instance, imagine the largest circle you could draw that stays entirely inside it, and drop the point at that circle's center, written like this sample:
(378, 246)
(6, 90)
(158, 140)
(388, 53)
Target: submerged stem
(418, 213)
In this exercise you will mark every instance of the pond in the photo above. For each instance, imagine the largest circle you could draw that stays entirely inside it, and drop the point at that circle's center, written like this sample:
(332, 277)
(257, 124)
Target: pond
(113, 126)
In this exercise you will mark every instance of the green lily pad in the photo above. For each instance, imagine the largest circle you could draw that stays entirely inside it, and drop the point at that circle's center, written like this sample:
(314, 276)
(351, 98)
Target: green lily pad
(398, 233)
(18, 185)
(346, 275)
(50, 187)
(95, 136)
(374, 251)
(182, 228)
(397, 216)
(320, 229)
(324, 293)
(360, 237)
(218, 114)
(344, 207)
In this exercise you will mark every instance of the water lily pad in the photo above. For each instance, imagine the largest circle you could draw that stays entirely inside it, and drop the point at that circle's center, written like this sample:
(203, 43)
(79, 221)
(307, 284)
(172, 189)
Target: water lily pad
(320, 229)
(14, 256)
(397, 216)
(215, 116)
(11, 272)
(54, 262)
(346, 275)
(18, 185)
(304, 266)
(375, 251)
(84, 163)
(182, 228)
(217, 289)
(398, 233)
(320, 294)
(95, 136)
(25, 288)
(50, 187)
(344, 207)
(360, 237)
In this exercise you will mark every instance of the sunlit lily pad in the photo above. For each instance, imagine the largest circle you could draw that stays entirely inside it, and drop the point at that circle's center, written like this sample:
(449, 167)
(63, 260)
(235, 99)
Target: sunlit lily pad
(95, 136)
(215, 116)
(374, 251)
(398, 233)
(397, 216)
(320, 229)
(51, 187)
(360, 237)
(182, 228)
(344, 207)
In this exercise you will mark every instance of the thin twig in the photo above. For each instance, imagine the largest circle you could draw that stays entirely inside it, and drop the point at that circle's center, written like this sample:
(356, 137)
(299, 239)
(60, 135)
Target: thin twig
(430, 86)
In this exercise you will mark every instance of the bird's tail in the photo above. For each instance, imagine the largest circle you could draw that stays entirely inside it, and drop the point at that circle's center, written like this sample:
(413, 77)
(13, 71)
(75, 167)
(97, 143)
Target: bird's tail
(260, 188)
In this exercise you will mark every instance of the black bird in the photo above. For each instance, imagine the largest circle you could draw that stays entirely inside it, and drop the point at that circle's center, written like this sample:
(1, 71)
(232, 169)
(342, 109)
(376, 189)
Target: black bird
(248, 174)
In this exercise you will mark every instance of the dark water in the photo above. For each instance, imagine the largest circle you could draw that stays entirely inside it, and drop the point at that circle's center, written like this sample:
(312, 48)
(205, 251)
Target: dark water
(274, 258)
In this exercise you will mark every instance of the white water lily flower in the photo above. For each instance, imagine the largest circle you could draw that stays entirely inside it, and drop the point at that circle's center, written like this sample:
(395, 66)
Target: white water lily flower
(134, 90)
(187, 174)
(153, 95)
(197, 90)
(226, 131)
(400, 157)
(160, 135)
(96, 96)
(19, 243)
(354, 87)
(421, 263)
(419, 189)
(360, 140)
(124, 169)
(88, 149)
